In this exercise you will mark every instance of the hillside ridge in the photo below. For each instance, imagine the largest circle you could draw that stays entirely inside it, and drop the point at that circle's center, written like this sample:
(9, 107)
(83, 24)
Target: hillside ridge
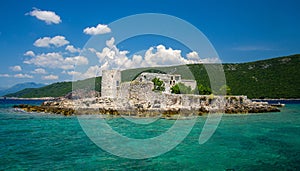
(270, 78)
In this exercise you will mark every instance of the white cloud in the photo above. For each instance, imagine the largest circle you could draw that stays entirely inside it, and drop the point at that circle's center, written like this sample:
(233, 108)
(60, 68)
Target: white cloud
(56, 60)
(162, 56)
(73, 73)
(23, 76)
(29, 53)
(48, 16)
(57, 41)
(77, 60)
(39, 71)
(92, 71)
(16, 68)
(113, 58)
(100, 29)
(4, 75)
(110, 43)
(50, 77)
(51, 60)
(72, 49)
(193, 56)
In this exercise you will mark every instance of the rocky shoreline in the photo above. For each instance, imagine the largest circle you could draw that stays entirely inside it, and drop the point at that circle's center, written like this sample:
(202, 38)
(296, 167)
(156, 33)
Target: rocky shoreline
(172, 109)
(31, 98)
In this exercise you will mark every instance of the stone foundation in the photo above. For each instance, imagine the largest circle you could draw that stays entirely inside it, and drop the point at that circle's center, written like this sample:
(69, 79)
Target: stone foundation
(168, 106)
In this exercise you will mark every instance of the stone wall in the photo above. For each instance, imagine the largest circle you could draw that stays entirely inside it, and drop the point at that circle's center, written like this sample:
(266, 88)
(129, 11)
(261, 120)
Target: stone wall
(110, 84)
(169, 79)
(140, 94)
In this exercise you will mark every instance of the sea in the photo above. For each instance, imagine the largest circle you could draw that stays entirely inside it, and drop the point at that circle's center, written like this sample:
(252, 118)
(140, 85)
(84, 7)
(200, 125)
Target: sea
(40, 141)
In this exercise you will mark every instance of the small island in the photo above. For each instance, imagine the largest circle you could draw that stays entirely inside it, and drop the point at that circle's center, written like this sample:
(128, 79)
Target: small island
(148, 95)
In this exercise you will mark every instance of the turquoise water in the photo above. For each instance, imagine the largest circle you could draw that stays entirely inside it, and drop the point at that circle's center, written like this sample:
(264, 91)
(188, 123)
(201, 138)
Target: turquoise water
(242, 142)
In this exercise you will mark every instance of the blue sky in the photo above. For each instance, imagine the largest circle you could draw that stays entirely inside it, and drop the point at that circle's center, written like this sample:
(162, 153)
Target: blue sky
(240, 31)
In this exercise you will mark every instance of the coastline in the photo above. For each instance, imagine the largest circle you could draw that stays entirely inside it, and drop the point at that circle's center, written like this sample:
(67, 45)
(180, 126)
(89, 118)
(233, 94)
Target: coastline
(30, 98)
(297, 99)
(169, 106)
(53, 98)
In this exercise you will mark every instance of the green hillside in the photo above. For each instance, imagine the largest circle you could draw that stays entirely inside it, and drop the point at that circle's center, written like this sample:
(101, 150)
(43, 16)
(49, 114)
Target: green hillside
(271, 78)
(58, 89)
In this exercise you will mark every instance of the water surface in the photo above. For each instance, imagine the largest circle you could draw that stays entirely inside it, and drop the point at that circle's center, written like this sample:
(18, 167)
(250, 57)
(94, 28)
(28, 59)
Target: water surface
(242, 142)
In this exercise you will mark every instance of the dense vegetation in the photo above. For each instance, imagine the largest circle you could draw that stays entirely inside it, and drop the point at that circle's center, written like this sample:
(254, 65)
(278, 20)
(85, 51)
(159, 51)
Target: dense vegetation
(271, 78)
(181, 89)
(159, 85)
(203, 90)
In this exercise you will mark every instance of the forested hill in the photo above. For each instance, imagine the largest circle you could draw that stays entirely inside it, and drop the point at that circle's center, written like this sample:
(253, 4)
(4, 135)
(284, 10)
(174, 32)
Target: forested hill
(271, 78)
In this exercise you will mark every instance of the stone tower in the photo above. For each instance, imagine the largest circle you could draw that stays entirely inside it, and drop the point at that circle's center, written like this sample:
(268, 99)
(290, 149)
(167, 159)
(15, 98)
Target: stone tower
(111, 80)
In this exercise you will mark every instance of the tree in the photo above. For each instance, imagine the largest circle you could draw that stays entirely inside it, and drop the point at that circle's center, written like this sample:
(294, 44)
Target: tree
(181, 89)
(203, 90)
(159, 85)
(175, 89)
(225, 88)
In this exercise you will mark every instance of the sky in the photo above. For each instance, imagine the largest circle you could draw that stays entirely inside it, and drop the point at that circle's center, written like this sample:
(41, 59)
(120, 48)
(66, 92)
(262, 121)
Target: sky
(46, 41)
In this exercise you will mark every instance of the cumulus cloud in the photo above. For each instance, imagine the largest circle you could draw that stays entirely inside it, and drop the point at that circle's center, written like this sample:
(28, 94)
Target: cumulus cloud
(49, 17)
(110, 57)
(4, 75)
(56, 60)
(193, 56)
(57, 41)
(16, 68)
(51, 60)
(110, 43)
(73, 73)
(72, 49)
(99, 29)
(77, 60)
(92, 71)
(29, 53)
(39, 71)
(23, 76)
(113, 58)
(162, 56)
(50, 77)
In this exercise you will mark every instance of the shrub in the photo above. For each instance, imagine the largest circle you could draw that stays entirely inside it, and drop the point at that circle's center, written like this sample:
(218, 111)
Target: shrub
(159, 85)
(181, 89)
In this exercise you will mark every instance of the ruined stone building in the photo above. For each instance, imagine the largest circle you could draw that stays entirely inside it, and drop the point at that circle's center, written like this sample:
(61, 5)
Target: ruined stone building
(113, 87)
(110, 84)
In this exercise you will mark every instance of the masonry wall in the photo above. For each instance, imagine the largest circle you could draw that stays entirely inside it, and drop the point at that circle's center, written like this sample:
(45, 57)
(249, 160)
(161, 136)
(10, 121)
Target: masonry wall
(169, 79)
(140, 95)
(111, 80)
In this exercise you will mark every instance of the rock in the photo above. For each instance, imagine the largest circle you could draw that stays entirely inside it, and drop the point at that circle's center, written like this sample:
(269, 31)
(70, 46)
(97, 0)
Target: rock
(164, 105)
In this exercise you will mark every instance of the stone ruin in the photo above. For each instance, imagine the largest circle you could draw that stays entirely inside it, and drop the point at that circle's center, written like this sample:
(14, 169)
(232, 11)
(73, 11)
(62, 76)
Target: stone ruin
(112, 85)
(137, 98)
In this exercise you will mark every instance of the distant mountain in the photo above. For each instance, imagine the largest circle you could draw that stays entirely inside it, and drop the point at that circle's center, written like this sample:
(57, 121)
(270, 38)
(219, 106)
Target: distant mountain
(19, 87)
(270, 78)
(2, 88)
(57, 89)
